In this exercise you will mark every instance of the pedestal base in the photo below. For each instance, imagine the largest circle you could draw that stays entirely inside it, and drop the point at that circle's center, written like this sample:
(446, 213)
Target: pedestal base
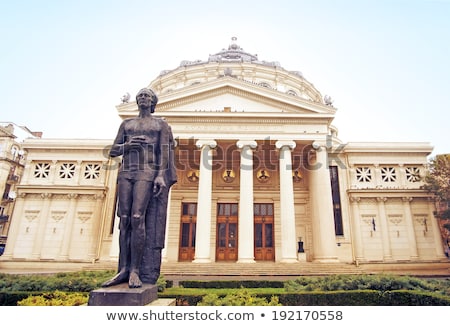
(301, 256)
(122, 295)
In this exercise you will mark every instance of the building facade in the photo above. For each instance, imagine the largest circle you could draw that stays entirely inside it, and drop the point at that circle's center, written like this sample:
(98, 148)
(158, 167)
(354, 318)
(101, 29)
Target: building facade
(11, 168)
(262, 176)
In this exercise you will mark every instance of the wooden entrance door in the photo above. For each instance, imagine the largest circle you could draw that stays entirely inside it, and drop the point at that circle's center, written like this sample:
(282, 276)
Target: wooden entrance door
(264, 242)
(227, 232)
(187, 232)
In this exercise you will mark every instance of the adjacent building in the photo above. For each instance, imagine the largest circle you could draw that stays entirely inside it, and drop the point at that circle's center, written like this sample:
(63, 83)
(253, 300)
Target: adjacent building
(262, 176)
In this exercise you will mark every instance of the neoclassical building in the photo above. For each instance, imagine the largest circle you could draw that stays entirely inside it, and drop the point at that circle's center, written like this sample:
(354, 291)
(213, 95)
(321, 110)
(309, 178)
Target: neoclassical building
(262, 176)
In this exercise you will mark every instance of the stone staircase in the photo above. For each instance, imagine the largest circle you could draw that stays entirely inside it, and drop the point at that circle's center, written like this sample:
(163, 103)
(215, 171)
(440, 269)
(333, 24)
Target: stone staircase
(244, 271)
(254, 270)
(280, 271)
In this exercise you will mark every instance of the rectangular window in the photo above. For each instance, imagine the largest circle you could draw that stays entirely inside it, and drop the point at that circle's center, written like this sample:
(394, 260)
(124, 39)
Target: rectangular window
(363, 174)
(336, 196)
(388, 174)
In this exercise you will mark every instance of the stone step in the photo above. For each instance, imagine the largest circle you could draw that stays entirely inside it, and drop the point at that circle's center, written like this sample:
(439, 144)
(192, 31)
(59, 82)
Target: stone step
(216, 270)
(257, 269)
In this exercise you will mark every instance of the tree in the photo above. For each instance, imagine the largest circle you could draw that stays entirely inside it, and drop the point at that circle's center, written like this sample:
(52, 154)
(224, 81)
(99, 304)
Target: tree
(437, 181)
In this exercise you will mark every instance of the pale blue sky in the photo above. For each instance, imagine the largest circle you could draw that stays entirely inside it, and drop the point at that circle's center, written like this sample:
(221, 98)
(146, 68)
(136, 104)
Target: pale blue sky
(65, 64)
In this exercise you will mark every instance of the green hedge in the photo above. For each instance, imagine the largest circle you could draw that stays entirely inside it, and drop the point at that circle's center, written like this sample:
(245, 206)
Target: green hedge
(67, 281)
(336, 298)
(40, 288)
(11, 298)
(231, 284)
(333, 290)
(364, 298)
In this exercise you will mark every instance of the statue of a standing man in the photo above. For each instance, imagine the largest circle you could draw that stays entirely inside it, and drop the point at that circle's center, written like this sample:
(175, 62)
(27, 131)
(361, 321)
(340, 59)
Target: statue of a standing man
(146, 174)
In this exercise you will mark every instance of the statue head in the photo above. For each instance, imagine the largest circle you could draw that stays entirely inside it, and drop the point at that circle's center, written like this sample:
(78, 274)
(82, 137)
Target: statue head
(153, 97)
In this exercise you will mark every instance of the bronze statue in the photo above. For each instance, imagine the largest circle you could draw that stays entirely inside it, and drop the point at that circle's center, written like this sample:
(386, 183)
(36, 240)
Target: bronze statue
(146, 174)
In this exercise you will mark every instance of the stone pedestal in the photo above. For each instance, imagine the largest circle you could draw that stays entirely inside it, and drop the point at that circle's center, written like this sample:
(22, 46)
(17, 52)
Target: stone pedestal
(122, 295)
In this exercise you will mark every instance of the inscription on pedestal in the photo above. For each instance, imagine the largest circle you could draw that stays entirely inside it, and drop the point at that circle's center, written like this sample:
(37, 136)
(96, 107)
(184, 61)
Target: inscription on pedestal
(122, 295)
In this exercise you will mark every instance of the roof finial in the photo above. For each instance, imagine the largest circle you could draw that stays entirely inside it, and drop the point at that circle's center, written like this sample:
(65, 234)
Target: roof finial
(233, 45)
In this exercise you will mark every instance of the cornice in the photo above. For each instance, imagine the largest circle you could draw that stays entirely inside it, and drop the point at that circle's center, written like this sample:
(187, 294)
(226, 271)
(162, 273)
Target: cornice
(388, 147)
(64, 144)
(246, 118)
(389, 193)
(60, 189)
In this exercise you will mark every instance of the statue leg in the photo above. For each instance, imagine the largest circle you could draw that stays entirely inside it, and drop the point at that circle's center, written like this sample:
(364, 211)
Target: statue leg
(125, 187)
(124, 257)
(142, 193)
(137, 249)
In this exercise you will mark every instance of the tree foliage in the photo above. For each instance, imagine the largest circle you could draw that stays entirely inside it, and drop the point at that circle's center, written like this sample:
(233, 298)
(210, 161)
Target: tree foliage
(438, 178)
(438, 182)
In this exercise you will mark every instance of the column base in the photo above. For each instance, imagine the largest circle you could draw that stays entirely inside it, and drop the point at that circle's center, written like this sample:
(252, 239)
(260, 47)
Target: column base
(246, 260)
(301, 256)
(289, 260)
(326, 260)
(202, 260)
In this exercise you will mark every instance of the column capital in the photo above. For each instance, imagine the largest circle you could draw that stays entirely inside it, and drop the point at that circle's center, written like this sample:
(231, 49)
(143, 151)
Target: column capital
(282, 143)
(206, 142)
(242, 143)
(355, 199)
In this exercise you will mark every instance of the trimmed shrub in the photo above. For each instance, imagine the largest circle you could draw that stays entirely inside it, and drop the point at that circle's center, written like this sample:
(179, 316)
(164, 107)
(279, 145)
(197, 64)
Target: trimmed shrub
(56, 298)
(381, 282)
(241, 297)
(231, 284)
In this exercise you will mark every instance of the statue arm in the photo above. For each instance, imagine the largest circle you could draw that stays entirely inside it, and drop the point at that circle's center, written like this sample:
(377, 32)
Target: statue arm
(118, 147)
(164, 143)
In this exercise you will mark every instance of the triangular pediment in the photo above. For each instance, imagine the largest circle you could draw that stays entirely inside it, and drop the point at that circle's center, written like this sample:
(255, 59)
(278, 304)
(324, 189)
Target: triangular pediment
(228, 94)
(5, 132)
(235, 95)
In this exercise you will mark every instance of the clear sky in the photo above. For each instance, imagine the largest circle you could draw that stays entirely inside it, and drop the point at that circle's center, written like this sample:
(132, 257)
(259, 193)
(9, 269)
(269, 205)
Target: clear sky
(386, 63)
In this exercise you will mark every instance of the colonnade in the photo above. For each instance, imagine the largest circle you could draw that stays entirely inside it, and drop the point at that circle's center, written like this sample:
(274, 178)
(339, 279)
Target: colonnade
(324, 245)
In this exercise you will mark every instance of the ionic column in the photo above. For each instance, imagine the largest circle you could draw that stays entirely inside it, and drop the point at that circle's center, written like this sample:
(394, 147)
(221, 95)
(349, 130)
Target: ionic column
(439, 245)
(356, 232)
(410, 227)
(67, 238)
(287, 208)
(40, 234)
(387, 253)
(115, 249)
(97, 228)
(15, 222)
(203, 230)
(324, 237)
(246, 250)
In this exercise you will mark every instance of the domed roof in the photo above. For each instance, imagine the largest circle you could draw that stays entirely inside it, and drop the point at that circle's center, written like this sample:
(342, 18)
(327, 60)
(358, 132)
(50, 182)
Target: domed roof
(235, 62)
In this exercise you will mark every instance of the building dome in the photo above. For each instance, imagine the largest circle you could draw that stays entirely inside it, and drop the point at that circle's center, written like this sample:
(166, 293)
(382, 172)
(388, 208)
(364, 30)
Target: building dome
(236, 63)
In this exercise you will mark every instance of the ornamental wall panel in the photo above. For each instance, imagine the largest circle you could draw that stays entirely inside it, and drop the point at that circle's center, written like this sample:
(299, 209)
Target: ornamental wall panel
(370, 230)
(28, 230)
(83, 235)
(54, 232)
(423, 229)
(397, 232)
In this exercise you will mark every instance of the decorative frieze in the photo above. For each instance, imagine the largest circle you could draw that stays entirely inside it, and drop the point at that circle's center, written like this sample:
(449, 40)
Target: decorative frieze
(57, 215)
